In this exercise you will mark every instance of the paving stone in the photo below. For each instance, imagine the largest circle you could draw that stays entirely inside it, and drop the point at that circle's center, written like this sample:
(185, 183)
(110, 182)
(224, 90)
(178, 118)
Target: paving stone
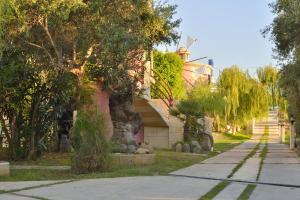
(13, 197)
(207, 170)
(281, 173)
(265, 192)
(282, 155)
(128, 188)
(233, 157)
(249, 171)
(281, 160)
(231, 192)
(23, 184)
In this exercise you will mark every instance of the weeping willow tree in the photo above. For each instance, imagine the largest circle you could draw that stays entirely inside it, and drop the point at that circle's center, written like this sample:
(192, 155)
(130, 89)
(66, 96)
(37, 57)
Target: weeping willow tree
(246, 98)
(269, 77)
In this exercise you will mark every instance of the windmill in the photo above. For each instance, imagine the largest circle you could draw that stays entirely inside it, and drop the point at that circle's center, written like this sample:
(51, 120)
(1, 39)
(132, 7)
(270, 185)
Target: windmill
(189, 41)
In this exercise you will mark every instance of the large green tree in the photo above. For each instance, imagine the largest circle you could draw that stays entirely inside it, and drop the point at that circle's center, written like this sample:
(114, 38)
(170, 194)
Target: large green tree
(169, 67)
(108, 37)
(246, 98)
(201, 101)
(269, 77)
(284, 32)
(32, 100)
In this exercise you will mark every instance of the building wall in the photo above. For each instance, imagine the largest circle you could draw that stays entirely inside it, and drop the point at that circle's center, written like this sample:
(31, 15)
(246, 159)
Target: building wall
(158, 137)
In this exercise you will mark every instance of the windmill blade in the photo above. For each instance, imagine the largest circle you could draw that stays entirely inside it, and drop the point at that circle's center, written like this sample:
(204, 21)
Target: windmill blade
(190, 41)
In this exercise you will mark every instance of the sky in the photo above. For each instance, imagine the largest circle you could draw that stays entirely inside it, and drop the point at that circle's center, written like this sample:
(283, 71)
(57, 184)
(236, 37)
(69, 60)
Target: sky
(227, 31)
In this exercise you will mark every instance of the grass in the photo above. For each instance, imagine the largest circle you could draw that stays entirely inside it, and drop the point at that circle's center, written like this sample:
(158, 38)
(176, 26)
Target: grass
(48, 159)
(262, 158)
(264, 152)
(245, 195)
(166, 162)
(252, 153)
(240, 164)
(215, 191)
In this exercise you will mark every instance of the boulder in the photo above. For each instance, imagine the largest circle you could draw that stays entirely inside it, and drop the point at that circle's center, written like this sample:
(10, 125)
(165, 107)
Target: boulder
(142, 151)
(178, 147)
(186, 148)
(148, 147)
(64, 145)
(195, 143)
(131, 149)
(207, 143)
(197, 149)
(123, 148)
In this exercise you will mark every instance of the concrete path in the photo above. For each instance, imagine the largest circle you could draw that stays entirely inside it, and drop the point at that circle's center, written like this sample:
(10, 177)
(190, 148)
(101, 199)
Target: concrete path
(138, 188)
(281, 166)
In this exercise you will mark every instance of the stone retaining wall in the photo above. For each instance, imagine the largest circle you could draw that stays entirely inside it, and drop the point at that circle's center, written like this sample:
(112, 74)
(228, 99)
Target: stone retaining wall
(4, 168)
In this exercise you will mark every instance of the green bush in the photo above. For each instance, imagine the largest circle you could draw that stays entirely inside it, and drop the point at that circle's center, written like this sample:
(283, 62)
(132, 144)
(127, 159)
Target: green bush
(91, 149)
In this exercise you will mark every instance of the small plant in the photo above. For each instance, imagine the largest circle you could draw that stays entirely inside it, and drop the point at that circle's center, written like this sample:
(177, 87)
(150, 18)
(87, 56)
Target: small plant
(91, 149)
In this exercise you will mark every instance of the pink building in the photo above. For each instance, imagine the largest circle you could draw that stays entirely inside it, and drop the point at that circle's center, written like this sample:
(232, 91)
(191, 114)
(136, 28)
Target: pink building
(194, 71)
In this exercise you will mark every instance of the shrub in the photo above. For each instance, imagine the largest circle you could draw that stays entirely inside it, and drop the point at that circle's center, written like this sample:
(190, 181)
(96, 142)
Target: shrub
(91, 149)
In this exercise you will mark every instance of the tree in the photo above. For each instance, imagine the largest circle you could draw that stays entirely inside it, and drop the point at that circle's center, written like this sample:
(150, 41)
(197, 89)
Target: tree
(170, 67)
(188, 110)
(269, 77)
(284, 32)
(246, 98)
(119, 72)
(200, 102)
(32, 99)
(106, 37)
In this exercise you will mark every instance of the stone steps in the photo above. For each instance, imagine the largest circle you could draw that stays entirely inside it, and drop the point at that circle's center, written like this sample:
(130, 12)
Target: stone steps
(271, 122)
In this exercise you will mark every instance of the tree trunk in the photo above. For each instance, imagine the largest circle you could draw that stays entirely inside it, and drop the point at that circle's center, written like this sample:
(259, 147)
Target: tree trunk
(126, 122)
(32, 149)
(186, 130)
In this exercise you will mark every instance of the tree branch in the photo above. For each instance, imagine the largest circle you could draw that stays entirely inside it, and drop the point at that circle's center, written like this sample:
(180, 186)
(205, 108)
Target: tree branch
(40, 47)
(45, 27)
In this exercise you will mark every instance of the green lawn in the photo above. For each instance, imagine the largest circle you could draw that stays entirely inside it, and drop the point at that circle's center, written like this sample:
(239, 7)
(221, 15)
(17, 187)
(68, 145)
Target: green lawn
(166, 161)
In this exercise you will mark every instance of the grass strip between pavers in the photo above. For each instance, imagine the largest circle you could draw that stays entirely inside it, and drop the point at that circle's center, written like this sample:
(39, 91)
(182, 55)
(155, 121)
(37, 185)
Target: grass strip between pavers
(215, 191)
(245, 195)
(262, 157)
(221, 186)
(264, 152)
(252, 153)
(239, 165)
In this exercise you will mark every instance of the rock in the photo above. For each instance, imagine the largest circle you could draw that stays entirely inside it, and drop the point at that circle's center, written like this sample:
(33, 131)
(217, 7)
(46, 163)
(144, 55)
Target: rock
(207, 143)
(64, 145)
(148, 147)
(197, 149)
(195, 143)
(123, 148)
(142, 151)
(178, 147)
(186, 148)
(131, 149)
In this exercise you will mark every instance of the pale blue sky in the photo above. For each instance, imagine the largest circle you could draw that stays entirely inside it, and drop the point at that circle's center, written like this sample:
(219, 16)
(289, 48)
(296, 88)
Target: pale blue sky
(228, 31)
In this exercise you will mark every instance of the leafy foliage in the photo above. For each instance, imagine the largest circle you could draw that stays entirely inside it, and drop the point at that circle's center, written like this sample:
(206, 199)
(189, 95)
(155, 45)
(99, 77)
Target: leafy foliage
(246, 98)
(91, 150)
(31, 101)
(285, 34)
(201, 101)
(269, 76)
(170, 67)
